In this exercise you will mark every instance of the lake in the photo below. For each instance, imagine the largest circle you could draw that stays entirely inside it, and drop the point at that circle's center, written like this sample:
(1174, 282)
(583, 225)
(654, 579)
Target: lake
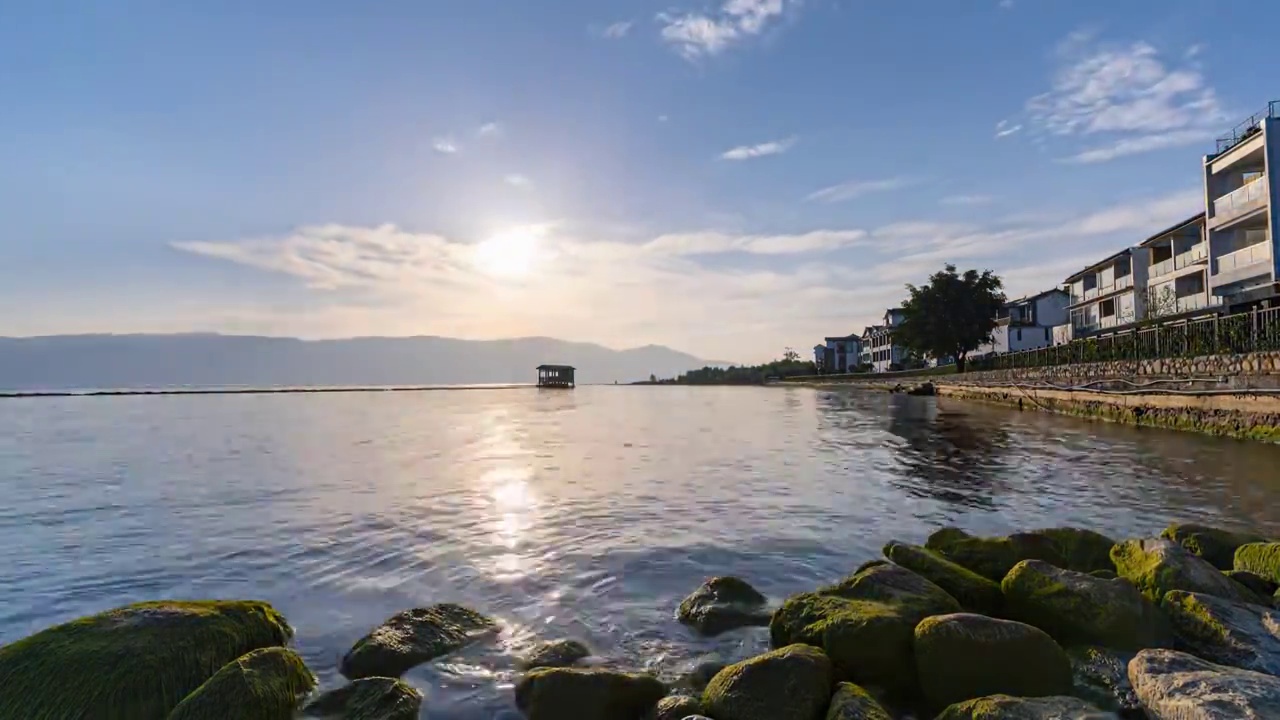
(586, 514)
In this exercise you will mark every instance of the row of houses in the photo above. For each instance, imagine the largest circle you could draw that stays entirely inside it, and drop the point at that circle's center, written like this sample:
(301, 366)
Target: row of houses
(1223, 259)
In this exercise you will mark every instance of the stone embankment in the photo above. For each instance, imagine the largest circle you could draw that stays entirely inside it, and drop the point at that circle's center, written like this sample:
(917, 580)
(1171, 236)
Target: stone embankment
(1050, 624)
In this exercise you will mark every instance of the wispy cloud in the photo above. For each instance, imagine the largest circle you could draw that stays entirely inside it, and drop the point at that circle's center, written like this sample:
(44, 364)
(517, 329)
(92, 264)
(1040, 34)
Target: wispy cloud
(1194, 51)
(857, 188)
(1006, 4)
(444, 146)
(967, 200)
(618, 30)
(695, 35)
(489, 129)
(711, 242)
(1005, 128)
(516, 180)
(746, 152)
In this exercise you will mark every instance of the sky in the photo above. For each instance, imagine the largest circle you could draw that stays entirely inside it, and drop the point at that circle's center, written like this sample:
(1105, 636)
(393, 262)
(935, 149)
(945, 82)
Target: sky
(725, 178)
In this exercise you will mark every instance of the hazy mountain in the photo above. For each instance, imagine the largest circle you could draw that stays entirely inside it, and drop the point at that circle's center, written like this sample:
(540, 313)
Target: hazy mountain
(149, 361)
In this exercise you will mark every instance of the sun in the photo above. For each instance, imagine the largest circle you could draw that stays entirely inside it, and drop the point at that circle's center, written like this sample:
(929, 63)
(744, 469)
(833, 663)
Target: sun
(509, 254)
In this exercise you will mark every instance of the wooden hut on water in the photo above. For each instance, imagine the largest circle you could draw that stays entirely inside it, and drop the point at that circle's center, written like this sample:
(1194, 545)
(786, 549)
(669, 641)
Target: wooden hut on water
(555, 376)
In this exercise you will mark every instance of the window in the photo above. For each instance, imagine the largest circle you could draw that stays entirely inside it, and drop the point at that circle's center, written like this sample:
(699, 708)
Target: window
(1019, 334)
(1107, 308)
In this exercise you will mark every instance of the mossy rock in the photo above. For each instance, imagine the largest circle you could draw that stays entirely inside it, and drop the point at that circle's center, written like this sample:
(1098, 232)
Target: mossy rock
(1104, 574)
(1227, 632)
(974, 592)
(375, 698)
(557, 653)
(963, 656)
(791, 683)
(676, 707)
(1262, 559)
(1101, 677)
(587, 694)
(132, 663)
(1256, 584)
(265, 684)
(993, 557)
(413, 637)
(1004, 707)
(722, 604)
(866, 624)
(1157, 566)
(851, 702)
(1078, 609)
(1215, 545)
(697, 678)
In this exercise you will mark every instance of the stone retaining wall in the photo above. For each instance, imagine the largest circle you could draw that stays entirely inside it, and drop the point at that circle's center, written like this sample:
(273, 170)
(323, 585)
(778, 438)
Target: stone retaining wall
(1243, 371)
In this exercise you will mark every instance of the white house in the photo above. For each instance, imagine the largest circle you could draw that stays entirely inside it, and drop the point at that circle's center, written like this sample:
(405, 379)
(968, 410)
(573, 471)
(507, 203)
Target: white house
(1109, 293)
(1178, 270)
(877, 342)
(841, 354)
(1240, 225)
(1028, 322)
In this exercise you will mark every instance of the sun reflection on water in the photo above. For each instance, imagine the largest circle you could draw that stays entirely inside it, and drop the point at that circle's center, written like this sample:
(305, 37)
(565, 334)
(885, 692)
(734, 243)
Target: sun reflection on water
(513, 507)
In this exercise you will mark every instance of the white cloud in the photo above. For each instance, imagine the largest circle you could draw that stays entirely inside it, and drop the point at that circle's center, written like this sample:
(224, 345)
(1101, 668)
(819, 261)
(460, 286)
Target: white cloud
(746, 152)
(857, 188)
(1194, 51)
(1006, 4)
(444, 146)
(967, 200)
(515, 180)
(618, 30)
(696, 35)
(1140, 144)
(711, 242)
(663, 118)
(489, 129)
(1004, 128)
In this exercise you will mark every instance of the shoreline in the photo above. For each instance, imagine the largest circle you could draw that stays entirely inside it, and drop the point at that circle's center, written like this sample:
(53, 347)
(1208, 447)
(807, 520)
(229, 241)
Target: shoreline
(253, 391)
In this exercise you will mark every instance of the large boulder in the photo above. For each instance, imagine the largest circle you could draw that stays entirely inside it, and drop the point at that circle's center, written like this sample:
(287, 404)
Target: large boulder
(413, 637)
(266, 684)
(865, 624)
(557, 653)
(1177, 686)
(851, 702)
(697, 678)
(558, 693)
(974, 592)
(1257, 584)
(137, 661)
(1227, 632)
(1101, 676)
(722, 604)
(964, 656)
(993, 557)
(1215, 545)
(1262, 559)
(376, 698)
(676, 707)
(1076, 608)
(791, 683)
(1004, 707)
(1157, 566)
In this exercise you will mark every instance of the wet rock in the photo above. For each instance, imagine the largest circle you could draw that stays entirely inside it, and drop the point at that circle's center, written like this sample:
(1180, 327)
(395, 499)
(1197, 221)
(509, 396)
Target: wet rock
(1101, 676)
(1215, 545)
(722, 604)
(963, 656)
(1226, 632)
(413, 637)
(137, 661)
(676, 707)
(923, 390)
(1158, 566)
(557, 653)
(265, 684)
(1104, 574)
(376, 698)
(1076, 608)
(698, 678)
(851, 702)
(1177, 686)
(791, 683)
(1257, 584)
(993, 557)
(865, 624)
(1262, 559)
(558, 693)
(974, 592)
(1004, 707)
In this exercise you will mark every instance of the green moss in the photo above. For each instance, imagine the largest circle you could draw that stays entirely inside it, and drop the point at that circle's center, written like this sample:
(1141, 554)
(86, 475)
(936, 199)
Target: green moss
(676, 707)
(851, 702)
(264, 684)
(790, 682)
(1005, 707)
(558, 653)
(582, 694)
(993, 557)
(413, 637)
(1213, 544)
(973, 591)
(1196, 624)
(375, 698)
(1261, 559)
(1158, 566)
(133, 663)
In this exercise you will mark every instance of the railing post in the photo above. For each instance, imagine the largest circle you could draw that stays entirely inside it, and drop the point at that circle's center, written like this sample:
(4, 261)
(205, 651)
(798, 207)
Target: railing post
(1253, 335)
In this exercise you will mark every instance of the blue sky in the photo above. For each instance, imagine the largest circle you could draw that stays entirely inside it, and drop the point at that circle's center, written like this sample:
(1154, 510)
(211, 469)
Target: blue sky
(725, 178)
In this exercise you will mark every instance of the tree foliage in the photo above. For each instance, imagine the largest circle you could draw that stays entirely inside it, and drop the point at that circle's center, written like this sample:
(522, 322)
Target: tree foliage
(952, 315)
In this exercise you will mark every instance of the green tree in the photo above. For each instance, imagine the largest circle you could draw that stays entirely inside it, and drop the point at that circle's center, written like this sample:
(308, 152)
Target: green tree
(790, 356)
(951, 316)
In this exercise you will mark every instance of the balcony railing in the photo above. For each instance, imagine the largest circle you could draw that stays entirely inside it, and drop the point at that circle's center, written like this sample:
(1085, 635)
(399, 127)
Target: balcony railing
(1197, 254)
(1256, 253)
(1241, 200)
(1248, 128)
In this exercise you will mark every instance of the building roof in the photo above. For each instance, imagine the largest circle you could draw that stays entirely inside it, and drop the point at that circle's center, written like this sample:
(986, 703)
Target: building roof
(1194, 219)
(555, 367)
(1105, 261)
(843, 337)
(1033, 298)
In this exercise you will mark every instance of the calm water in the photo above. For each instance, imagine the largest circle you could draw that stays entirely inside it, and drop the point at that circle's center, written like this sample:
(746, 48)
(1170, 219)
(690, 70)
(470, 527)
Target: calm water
(584, 514)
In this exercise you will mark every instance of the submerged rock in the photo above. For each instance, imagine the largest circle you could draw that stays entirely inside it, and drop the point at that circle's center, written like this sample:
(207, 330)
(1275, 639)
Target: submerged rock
(375, 698)
(1076, 608)
(557, 653)
(1176, 686)
(865, 624)
(1158, 566)
(964, 656)
(791, 683)
(1256, 584)
(1101, 676)
(974, 592)
(722, 604)
(265, 684)
(1004, 707)
(851, 702)
(413, 637)
(558, 693)
(993, 557)
(1215, 545)
(137, 661)
(676, 707)
(1262, 559)
(1226, 632)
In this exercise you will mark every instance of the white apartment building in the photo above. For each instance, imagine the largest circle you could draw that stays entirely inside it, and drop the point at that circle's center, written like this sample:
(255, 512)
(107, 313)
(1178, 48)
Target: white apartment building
(1240, 223)
(1178, 270)
(878, 348)
(1027, 323)
(1108, 294)
(841, 354)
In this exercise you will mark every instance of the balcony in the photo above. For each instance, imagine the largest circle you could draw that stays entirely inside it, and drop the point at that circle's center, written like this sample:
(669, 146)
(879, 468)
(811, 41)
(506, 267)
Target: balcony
(1244, 199)
(1252, 255)
(1248, 128)
(1196, 255)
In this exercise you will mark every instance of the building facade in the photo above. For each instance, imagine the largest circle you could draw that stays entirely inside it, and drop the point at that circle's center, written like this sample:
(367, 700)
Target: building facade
(841, 354)
(1027, 323)
(1108, 294)
(879, 350)
(1178, 271)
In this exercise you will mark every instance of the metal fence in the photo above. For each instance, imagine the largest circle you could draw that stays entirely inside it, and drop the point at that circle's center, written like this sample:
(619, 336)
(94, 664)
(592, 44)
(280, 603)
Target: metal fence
(1248, 128)
(1254, 331)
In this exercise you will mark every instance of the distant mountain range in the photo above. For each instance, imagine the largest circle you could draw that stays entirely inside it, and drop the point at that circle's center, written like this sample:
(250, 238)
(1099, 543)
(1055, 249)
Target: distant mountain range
(60, 362)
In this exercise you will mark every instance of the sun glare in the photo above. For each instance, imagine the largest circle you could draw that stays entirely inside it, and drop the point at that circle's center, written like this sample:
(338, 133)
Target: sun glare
(508, 254)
